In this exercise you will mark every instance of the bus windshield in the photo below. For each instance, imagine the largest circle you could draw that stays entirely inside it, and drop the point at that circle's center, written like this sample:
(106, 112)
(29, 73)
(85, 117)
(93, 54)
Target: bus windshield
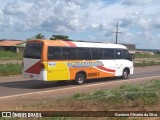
(33, 50)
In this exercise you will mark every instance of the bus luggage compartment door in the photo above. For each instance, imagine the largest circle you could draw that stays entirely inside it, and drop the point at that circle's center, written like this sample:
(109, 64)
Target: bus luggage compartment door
(58, 71)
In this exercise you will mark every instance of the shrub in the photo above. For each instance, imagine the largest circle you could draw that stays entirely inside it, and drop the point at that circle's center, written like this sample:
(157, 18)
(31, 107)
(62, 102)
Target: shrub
(10, 69)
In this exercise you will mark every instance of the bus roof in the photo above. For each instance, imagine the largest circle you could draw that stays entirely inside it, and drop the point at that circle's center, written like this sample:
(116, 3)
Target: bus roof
(79, 44)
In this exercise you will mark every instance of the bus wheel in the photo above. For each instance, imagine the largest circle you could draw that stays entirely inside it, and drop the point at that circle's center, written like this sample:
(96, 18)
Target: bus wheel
(125, 74)
(80, 78)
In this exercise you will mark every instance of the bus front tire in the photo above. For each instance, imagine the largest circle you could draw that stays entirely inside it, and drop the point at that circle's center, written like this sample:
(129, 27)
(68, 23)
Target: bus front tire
(80, 78)
(125, 74)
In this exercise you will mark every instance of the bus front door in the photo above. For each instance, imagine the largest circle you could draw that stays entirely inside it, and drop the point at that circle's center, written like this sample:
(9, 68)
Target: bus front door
(119, 62)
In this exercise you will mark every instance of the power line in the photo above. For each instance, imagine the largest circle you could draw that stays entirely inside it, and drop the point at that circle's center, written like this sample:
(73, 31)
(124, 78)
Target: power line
(117, 32)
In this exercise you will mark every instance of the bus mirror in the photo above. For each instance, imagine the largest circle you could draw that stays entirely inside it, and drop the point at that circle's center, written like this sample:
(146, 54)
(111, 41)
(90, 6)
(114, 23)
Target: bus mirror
(132, 56)
(130, 59)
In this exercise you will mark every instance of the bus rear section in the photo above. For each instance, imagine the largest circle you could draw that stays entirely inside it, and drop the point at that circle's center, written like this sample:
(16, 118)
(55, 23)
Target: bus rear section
(32, 61)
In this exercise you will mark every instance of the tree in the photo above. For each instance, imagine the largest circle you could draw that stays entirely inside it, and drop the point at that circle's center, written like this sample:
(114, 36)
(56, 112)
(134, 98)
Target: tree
(28, 39)
(39, 36)
(62, 37)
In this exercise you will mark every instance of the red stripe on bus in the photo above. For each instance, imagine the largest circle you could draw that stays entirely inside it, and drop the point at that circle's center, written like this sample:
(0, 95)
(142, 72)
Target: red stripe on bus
(105, 69)
(34, 69)
(71, 44)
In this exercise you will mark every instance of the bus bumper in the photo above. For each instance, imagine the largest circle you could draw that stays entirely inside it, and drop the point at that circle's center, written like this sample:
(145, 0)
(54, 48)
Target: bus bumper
(42, 76)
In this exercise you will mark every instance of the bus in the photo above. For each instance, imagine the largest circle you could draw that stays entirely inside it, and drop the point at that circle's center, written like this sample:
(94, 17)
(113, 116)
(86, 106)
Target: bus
(54, 60)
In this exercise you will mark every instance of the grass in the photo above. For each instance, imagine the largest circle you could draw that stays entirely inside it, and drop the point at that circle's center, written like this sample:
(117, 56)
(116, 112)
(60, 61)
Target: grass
(10, 69)
(147, 95)
(144, 63)
(125, 97)
(139, 55)
(7, 55)
(129, 97)
(148, 61)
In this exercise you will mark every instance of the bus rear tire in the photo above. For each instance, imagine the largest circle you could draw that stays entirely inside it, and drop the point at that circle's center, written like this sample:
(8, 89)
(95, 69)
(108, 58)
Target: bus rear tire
(125, 74)
(80, 78)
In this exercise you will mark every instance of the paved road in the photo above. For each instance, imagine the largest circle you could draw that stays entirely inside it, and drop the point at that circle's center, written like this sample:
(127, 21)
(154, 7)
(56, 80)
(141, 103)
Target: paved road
(16, 92)
(15, 85)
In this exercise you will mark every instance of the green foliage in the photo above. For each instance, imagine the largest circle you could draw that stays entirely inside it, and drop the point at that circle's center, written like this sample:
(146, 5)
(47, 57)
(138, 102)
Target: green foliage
(126, 97)
(61, 37)
(10, 69)
(7, 55)
(96, 95)
(139, 55)
(145, 63)
(39, 36)
(147, 94)
(78, 95)
(148, 97)
(155, 84)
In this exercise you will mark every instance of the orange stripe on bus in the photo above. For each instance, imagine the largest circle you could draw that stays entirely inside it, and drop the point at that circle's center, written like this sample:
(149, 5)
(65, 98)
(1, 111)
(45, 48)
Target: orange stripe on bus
(57, 43)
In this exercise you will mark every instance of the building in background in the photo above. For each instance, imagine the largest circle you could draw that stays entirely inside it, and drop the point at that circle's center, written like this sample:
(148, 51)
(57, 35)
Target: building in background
(12, 45)
(19, 45)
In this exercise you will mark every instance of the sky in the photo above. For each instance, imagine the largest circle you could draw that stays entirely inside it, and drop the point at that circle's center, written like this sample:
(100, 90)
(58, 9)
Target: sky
(90, 20)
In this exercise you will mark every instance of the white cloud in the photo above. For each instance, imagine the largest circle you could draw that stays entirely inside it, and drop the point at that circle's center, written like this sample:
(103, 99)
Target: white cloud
(139, 20)
(143, 23)
(137, 2)
(52, 15)
(13, 8)
(156, 22)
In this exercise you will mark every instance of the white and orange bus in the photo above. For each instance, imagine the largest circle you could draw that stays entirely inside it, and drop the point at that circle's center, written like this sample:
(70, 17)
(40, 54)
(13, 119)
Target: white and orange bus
(53, 60)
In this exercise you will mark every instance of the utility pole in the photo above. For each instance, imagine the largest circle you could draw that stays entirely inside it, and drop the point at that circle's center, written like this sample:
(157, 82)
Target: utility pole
(117, 32)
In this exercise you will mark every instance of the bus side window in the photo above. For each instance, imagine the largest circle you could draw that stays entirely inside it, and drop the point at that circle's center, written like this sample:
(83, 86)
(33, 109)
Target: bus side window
(94, 53)
(108, 53)
(65, 53)
(100, 53)
(72, 53)
(54, 53)
(119, 54)
(87, 54)
(81, 53)
(50, 53)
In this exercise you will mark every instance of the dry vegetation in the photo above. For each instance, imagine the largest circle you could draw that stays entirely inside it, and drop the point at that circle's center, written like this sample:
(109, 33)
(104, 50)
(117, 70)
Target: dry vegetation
(125, 98)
